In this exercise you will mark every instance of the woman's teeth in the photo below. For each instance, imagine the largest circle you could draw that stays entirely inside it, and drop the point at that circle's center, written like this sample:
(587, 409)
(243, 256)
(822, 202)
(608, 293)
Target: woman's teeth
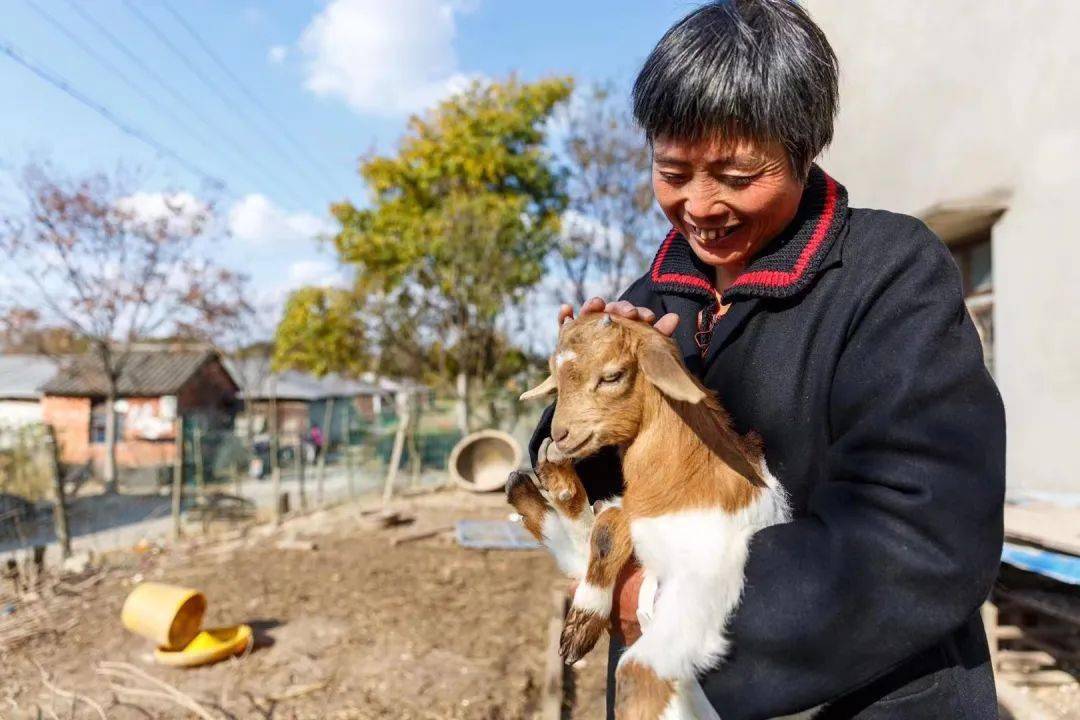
(708, 235)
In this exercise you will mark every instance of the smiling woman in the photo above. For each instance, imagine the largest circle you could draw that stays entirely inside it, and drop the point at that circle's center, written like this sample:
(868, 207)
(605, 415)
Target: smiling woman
(737, 100)
(840, 336)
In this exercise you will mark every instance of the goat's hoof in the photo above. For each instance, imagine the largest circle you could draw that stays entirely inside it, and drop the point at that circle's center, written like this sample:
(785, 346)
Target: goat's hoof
(641, 694)
(580, 632)
(518, 483)
(549, 454)
(529, 502)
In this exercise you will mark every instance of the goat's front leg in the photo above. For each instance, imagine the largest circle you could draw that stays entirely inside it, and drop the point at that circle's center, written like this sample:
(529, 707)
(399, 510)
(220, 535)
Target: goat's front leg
(610, 548)
(555, 510)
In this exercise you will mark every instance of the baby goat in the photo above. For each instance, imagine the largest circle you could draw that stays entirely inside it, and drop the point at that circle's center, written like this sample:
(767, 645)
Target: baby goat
(695, 491)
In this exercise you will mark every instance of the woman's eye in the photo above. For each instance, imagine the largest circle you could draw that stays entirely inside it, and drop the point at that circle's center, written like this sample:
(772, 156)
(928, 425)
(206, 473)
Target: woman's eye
(673, 178)
(611, 377)
(738, 181)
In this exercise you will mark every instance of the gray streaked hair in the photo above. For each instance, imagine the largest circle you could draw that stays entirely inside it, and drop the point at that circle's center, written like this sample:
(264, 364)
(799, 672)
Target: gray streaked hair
(754, 69)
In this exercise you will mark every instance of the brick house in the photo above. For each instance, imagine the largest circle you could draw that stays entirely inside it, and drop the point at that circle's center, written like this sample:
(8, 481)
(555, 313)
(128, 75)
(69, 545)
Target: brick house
(154, 388)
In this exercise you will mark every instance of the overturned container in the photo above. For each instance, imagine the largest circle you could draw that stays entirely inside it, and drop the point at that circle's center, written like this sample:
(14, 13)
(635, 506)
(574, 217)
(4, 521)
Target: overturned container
(481, 460)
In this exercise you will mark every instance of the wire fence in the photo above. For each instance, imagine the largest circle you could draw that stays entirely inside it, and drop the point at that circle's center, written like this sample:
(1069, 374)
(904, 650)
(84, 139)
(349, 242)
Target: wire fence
(224, 467)
(219, 467)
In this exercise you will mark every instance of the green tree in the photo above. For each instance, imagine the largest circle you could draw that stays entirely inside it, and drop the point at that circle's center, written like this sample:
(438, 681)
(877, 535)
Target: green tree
(320, 332)
(460, 221)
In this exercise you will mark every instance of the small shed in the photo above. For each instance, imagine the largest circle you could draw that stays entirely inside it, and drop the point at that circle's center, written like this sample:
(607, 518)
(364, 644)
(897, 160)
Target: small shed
(155, 387)
(301, 399)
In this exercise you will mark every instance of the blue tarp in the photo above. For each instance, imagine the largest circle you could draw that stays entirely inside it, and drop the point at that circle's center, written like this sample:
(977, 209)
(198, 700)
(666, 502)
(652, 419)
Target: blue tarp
(1065, 568)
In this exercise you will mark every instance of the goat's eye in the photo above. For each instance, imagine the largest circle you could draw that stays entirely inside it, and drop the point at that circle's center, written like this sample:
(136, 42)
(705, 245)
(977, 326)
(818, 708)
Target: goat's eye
(611, 377)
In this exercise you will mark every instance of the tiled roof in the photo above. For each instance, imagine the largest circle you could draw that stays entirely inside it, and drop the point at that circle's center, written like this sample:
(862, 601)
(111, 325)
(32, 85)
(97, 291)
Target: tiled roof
(146, 373)
(21, 376)
(257, 382)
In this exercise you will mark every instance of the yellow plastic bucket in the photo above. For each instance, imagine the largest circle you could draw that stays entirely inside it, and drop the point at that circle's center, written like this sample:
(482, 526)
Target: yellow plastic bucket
(168, 615)
(209, 646)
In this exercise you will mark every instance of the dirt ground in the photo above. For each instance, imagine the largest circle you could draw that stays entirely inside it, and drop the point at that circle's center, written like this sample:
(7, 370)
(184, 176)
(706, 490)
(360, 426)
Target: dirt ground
(357, 628)
(354, 629)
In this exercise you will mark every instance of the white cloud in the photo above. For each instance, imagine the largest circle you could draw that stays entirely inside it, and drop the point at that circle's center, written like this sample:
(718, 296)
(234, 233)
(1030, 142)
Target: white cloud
(277, 54)
(384, 58)
(181, 211)
(314, 272)
(257, 221)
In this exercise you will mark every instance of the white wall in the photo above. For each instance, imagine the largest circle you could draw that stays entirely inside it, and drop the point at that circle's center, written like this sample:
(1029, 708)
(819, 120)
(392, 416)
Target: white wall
(949, 99)
(19, 412)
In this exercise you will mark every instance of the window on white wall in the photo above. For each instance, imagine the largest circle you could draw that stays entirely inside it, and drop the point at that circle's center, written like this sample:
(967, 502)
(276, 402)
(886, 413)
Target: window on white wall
(976, 263)
(967, 229)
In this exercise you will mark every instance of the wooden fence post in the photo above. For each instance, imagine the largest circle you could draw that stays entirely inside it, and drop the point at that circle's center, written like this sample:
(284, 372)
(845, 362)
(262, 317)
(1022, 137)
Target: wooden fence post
(200, 476)
(301, 460)
(178, 477)
(60, 517)
(552, 692)
(275, 468)
(327, 429)
(349, 468)
(404, 407)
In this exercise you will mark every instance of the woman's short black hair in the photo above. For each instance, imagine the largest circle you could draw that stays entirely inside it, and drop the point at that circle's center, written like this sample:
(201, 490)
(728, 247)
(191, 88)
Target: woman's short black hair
(758, 69)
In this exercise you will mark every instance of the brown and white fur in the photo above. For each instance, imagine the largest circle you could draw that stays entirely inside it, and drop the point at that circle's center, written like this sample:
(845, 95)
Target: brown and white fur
(695, 492)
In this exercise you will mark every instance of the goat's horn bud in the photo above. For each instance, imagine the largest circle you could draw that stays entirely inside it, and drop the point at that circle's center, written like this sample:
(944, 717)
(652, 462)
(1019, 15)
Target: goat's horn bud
(605, 321)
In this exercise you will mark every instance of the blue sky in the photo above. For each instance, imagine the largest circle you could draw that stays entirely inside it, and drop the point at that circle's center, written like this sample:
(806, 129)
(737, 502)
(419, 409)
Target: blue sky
(328, 81)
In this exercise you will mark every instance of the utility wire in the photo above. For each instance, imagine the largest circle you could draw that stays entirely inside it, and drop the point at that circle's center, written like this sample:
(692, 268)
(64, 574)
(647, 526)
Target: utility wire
(127, 80)
(247, 160)
(266, 112)
(58, 81)
(228, 101)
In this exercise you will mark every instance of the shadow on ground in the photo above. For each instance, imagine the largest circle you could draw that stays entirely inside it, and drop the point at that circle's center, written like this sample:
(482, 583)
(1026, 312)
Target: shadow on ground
(86, 516)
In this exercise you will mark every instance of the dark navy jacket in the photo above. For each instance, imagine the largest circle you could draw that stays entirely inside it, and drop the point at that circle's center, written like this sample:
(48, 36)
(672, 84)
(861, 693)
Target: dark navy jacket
(849, 350)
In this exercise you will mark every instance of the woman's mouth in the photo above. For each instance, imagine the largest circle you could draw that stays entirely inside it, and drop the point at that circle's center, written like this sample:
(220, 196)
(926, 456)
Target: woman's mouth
(712, 236)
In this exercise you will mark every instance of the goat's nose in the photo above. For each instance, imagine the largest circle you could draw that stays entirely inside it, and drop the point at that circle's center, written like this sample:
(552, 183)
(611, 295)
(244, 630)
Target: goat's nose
(559, 433)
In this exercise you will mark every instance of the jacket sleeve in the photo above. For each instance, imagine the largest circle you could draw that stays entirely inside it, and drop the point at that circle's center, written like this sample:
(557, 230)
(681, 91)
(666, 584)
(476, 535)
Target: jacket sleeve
(601, 474)
(901, 543)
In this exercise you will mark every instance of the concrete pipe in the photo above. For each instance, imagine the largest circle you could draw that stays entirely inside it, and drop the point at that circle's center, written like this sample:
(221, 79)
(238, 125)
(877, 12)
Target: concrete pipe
(481, 461)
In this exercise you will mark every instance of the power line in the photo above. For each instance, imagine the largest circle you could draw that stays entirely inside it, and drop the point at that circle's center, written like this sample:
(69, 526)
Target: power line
(230, 143)
(296, 144)
(197, 71)
(58, 81)
(109, 65)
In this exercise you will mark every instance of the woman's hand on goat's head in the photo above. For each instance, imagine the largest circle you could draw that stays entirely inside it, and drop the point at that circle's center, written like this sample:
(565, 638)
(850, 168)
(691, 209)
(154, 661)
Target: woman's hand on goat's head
(665, 325)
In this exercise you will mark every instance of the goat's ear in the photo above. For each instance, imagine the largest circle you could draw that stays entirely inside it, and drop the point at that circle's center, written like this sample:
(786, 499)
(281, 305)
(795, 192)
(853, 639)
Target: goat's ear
(545, 388)
(664, 370)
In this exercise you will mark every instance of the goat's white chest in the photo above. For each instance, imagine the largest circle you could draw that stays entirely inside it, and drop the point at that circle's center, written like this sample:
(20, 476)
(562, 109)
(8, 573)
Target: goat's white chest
(703, 542)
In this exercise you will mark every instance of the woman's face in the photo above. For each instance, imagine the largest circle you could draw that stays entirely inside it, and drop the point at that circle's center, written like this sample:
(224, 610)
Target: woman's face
(728, 199)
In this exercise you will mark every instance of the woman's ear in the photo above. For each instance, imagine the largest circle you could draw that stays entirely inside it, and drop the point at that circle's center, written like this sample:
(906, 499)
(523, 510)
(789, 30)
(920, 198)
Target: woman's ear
(545, 388)
(662, 368)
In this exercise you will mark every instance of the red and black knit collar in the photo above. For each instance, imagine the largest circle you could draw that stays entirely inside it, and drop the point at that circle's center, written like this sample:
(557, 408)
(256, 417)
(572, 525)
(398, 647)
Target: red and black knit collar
(786, 266)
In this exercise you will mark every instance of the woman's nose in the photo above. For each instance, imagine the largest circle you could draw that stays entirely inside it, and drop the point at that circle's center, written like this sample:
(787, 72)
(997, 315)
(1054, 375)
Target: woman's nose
(703, 202)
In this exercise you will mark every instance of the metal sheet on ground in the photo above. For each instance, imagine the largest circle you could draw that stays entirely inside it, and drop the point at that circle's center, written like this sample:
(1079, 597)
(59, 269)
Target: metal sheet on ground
(493, 535)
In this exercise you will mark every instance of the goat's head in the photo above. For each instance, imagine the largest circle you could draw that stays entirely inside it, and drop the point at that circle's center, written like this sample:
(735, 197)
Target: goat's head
(604, 369)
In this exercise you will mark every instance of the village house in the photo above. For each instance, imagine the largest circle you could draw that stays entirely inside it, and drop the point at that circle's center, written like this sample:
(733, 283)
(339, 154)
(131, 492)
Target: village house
(155, 387)
(21, 380)
(302, 399)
